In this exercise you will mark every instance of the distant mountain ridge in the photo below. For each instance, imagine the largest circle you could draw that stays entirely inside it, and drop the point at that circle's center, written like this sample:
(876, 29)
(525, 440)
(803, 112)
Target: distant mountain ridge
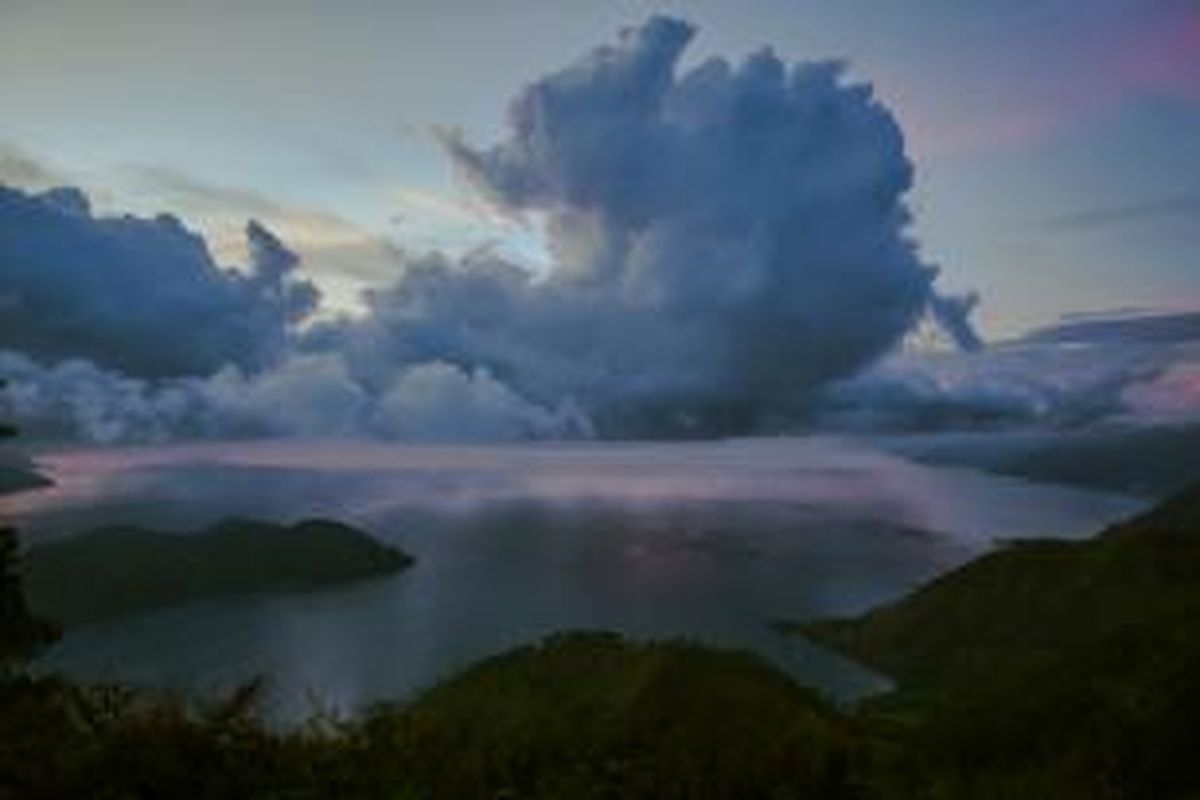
(1154, 461)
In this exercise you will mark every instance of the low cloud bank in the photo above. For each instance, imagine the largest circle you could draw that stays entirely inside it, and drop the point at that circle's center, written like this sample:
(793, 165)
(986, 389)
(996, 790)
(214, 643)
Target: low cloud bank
(1142, 369)
(303, 396)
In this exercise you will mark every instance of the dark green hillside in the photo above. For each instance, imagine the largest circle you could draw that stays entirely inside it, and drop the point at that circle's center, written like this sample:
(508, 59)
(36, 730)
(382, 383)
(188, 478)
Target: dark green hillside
(1032, 600)
(116, 571)
(594, 715)
(1048, 669)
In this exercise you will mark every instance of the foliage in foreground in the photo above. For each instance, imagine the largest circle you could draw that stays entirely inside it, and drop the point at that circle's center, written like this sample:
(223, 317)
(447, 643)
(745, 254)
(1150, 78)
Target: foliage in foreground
(577, 716)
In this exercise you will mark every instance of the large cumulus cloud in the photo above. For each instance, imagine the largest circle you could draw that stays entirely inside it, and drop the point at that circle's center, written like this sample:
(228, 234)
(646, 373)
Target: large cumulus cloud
(726, 239)
(142, 296)
(727, 242)
(123, 329)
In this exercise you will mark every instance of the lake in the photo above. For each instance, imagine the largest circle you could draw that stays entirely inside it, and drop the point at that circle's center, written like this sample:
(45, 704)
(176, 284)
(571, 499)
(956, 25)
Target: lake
(707, 540)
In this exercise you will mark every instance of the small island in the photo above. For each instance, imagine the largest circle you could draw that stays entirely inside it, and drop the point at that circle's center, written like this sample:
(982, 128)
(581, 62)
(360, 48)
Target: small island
(116, 571)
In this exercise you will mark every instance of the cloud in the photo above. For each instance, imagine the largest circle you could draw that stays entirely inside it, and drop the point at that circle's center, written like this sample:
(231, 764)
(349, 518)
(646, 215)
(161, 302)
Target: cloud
(303, 396)
(1181, 206)
(340, 255)
(123, 329)
(724, 242)
(77, 400)
(1125, 327)
(139, 295)
(1173, 394)
(1140, 369)
(953, 314)
(316, 395)
(19, 168)
(441, 402)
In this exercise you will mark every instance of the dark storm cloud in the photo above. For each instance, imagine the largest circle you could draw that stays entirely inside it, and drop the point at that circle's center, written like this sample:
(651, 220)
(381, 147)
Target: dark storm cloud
(139, 295)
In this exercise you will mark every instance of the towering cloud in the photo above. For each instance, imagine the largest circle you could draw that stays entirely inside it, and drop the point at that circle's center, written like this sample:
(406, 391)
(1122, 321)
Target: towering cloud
(727, 241)
(142, 296)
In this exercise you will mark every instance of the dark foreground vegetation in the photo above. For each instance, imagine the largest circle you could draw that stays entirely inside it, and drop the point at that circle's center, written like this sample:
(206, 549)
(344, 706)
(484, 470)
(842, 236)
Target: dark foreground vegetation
(584, 715)
(117, 571)
(1044, 670)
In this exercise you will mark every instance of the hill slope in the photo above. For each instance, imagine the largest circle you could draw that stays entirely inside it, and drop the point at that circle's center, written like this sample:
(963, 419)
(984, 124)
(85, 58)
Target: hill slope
(1066, 669)
(1033, 599)
(596, 715)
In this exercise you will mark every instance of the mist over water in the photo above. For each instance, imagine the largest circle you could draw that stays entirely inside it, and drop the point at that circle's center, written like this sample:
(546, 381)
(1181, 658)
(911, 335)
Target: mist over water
(710, 540)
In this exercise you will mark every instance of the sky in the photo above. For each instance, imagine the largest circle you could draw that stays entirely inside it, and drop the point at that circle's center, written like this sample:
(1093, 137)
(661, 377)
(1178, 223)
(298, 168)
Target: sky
(422, 221)
(1056, 144)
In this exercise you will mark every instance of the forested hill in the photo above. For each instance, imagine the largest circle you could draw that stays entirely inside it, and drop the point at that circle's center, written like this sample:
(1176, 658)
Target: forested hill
(1033, 599)
(1050, 668)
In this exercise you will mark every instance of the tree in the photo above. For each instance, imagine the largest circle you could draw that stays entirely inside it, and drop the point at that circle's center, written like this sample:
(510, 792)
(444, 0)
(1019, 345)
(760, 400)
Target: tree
(22, 634)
